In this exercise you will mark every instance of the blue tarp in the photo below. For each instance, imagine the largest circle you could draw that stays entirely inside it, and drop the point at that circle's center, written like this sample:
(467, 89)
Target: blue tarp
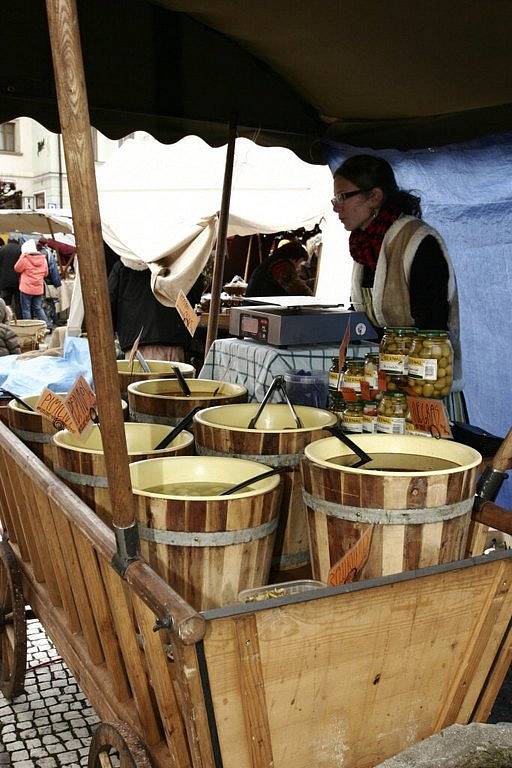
(466, 193)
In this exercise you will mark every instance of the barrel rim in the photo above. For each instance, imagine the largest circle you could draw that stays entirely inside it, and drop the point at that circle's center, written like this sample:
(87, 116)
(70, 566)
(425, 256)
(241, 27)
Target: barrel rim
(425, 441)
(199, 418)
(21, 409)
(239, 389)
(188, 439)
(185, 368)
(271, 483)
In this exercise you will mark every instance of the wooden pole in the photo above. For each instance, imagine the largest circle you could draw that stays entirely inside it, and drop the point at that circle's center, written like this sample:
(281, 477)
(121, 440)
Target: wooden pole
(220, 251)
(76, 138)
(248, 259)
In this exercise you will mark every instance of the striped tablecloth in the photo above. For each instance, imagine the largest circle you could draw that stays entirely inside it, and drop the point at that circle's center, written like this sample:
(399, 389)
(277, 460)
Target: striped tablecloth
(254, 365)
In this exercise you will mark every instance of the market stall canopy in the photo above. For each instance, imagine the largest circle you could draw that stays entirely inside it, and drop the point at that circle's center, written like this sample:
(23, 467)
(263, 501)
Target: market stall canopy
(159, 203)
(372, 74)
(43, 221)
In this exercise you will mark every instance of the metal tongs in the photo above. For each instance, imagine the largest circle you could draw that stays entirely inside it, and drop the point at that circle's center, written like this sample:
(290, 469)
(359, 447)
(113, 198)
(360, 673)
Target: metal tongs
(181, 380)
(173, 434)
(278, 384)
(336, 431)
(18, 399)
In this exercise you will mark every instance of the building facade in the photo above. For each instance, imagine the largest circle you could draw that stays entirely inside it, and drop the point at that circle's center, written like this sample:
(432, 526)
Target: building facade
(32, 163)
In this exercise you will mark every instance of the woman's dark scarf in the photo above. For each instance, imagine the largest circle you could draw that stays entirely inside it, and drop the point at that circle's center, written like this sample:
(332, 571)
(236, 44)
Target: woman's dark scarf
(365, 244)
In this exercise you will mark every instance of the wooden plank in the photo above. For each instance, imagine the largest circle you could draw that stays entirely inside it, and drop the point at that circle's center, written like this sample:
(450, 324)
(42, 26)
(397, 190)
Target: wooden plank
(480, 651)
(132, 654)
(252, 688)
(376, 661)
(16, 529)
(102, 617)
(160, 670)
(495, 680)
(43, 543)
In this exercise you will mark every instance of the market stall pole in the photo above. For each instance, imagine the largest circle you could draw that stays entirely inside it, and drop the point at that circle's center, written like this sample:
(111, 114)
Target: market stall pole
(220, 251)
(77, 142)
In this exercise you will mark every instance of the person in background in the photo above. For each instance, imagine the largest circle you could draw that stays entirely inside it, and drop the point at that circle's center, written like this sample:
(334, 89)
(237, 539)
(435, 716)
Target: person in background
(402, 274)
(33, 268)
(9, 279)
(278, 275)
(52, 282)
(9, 342)
(135, 307)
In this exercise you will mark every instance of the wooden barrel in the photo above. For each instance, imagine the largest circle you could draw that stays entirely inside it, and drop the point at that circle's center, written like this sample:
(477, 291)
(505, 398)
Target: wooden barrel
(208, 548)
(366, 524)
(160, 369)
(161, 401)
(80, 462)
(35, 430)
(276, 442)
(4, 410)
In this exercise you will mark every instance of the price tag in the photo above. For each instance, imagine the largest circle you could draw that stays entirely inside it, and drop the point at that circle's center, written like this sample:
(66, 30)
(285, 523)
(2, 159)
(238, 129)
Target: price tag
(80, 403)
(52, 406)
(353, 562)
(429, 416)
(133, 351)
(186, 312)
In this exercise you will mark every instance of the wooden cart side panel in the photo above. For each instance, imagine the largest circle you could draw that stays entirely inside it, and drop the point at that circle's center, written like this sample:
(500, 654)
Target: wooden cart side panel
(28, 518)
(495, 679)
(383, 661)
(10, 514)
(161, 672)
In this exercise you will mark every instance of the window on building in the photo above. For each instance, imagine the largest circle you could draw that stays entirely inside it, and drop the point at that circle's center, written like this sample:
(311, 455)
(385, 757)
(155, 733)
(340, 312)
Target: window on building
(8, 137)
(125, 138)
(40, 199)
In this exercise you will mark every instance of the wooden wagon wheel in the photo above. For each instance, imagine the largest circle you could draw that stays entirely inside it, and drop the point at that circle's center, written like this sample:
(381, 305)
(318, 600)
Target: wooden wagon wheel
(115, 744)
(13, 625)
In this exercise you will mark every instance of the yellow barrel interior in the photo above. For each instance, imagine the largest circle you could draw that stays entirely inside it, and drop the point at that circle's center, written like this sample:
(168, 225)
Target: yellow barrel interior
(140, 439)
(275, 417)
(200, 389)
(157, 368)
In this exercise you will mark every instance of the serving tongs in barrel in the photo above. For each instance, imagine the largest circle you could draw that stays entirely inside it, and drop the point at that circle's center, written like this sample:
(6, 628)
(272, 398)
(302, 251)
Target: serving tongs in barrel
(255, 479)
(173, 434)
(336, 431)
(181, 381)
(18, 399)
(278, 384)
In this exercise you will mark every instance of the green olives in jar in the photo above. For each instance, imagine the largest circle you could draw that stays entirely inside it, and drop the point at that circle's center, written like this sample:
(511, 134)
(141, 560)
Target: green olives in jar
(352, 417)
(353, 374)
(431, 364)
(391, 413)
(394, 350)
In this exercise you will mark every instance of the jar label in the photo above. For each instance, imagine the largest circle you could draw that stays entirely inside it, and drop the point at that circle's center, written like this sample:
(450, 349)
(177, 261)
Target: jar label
(393, 363)
(372, 379)
(391, 425)
(421, 368)
(351, 381)
(352, 423)
(333, 380)
(369, 423)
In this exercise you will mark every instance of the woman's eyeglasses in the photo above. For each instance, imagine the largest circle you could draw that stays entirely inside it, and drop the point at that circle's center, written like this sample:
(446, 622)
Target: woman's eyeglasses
(340, 197)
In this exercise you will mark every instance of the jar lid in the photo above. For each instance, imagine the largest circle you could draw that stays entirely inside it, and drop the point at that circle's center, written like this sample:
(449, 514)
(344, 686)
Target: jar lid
(370, 402)
(432, 333)
(394, 394)
(355, 361)
(354, 404)
(400, 331)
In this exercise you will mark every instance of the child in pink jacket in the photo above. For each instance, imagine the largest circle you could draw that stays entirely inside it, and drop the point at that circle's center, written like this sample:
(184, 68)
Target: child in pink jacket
(33, 268)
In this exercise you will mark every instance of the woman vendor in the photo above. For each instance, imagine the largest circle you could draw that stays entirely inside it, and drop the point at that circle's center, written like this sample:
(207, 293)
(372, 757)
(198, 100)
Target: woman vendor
(402, 274)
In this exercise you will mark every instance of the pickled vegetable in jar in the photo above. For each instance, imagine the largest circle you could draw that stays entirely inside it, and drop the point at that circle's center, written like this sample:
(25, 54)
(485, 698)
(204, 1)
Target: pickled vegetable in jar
(353, 374)
(336, 402)
(371, 370)
(391, 413)
(370, 416)
(394, 350)
(334, 374)
(352, 417)
(431, 364)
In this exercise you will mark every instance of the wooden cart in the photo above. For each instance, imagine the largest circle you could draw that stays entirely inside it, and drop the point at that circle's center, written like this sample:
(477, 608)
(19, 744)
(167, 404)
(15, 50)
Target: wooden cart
(336, 677)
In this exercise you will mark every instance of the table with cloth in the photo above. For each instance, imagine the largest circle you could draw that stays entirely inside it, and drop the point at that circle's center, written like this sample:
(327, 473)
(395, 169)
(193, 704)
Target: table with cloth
(254, 365)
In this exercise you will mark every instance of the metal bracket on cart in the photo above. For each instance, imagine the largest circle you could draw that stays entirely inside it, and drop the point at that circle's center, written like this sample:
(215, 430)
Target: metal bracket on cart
(127, 541)
(489, 484)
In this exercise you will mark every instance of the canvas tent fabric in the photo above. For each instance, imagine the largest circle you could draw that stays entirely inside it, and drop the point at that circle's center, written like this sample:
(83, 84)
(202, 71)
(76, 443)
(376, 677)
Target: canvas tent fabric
(466, 193)
(406, 75)
(42, 221)
(160, 204)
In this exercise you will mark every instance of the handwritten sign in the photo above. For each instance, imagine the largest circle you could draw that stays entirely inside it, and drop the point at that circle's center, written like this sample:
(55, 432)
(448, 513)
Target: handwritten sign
(186, 312)
(52, 406)
(80, 402)
(429, 416)
(351, 564)
(133, 350)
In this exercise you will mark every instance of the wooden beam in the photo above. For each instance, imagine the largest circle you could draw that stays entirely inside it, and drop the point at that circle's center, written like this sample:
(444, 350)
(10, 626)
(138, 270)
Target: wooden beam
(220, 251)
(76, 137)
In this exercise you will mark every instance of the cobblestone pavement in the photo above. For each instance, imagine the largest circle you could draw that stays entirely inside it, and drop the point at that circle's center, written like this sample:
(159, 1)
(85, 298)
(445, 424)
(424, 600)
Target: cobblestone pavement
(51, 724)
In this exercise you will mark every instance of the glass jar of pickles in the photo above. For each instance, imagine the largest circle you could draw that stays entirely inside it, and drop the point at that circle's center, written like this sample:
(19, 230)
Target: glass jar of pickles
(334, 374)
(352, 417)
(371, 370)
(391, 413)
(431, 364)
(370, 416)
(394, 350)
(353, 374)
